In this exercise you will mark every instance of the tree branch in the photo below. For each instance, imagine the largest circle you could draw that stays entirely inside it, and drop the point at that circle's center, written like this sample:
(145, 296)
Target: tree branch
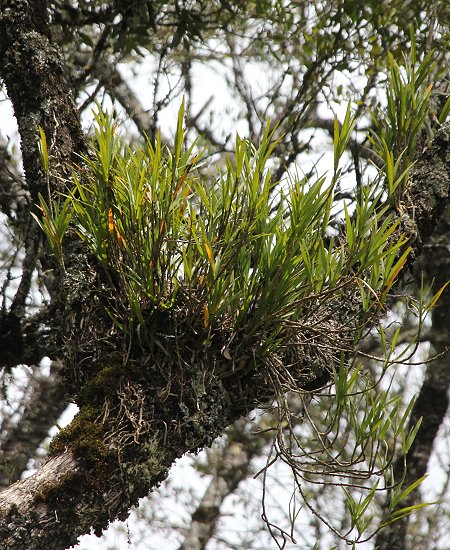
(432, 402)
(44, 405)
(229, 469)
(25, 43)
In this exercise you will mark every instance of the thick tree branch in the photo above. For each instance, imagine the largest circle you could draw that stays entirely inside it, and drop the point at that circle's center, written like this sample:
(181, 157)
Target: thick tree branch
(428, 194)
(432, 401)
(41, 98)
(30, 62)
(28, 499)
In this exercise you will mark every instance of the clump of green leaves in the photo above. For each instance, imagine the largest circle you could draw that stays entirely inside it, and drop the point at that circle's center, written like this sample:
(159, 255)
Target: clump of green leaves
(398, 127)
(240, 253)
(238, 249)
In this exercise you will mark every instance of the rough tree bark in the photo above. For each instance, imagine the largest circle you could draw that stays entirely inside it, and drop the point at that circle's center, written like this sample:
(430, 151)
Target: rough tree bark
(136, 417)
